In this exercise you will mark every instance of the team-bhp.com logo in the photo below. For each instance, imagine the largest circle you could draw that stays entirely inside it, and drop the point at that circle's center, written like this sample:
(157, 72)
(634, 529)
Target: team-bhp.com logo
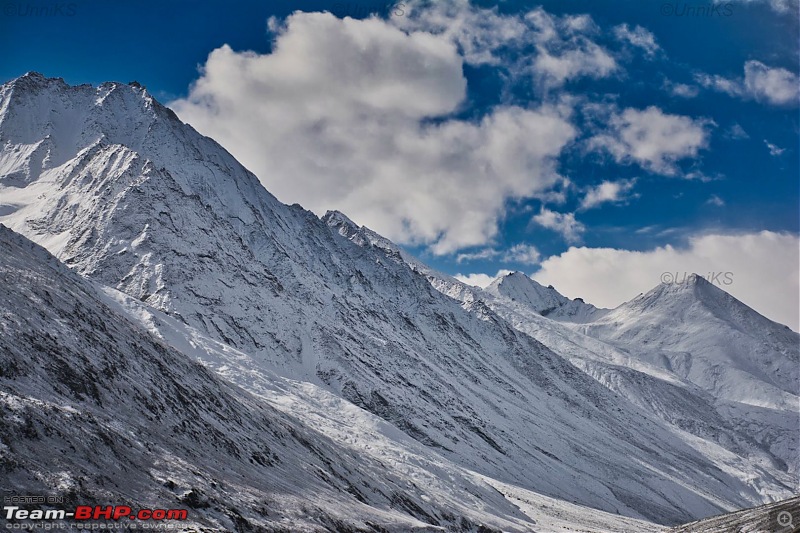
(96, 512)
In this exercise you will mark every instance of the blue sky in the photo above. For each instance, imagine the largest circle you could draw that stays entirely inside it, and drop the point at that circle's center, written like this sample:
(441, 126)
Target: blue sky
(590, 144)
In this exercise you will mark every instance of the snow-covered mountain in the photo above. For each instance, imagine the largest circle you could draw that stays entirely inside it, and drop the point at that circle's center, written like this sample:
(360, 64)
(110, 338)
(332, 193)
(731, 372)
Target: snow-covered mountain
(121, 191)
(368, 435)
(546, 301)
(742, 447)
(703, 334)
(740, 434)
(98, 411)
(698, 333)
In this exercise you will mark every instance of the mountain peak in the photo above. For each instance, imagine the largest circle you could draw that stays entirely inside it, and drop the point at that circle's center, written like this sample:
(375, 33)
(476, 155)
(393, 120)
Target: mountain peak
(546, 301)
(518, 286)
(680, 292)
(49, 90)
(692, 327)
(32, 75)
(687, 280)
(340, 221)
(33, 80)
(693, 285)
(39, 78)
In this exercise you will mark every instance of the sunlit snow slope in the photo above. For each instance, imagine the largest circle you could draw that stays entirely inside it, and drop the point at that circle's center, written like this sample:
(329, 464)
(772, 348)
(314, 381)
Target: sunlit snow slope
(96, 410)
(742, 437)
(124, 193)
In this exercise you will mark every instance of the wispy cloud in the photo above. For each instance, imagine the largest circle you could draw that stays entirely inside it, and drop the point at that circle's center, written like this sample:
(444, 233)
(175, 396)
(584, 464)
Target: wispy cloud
(526, 254)
(558, 48)
(639, 37)
(736, 132)
(770, 85)
(682, 90)
(779, 6)
(607, 192)
(480, 280)
(774, 150)
(563, 223)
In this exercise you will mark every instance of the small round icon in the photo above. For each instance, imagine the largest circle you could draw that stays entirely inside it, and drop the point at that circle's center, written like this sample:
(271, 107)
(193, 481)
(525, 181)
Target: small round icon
(785, 519)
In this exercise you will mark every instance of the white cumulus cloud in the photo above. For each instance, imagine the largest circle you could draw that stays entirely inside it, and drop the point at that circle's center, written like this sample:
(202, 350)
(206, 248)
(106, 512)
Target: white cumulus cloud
(764, 271)
(557, 49)
(522, 253)
(653, 139)
(563, 223)
(480, 280)
(776, 86)
(338, 116)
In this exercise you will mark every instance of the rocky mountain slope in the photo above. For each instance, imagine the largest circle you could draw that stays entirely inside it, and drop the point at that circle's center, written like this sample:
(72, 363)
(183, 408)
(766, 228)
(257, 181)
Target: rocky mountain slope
(781, 517)
(369, 436)
(546, 301)
(98, 411)
(742, 434)
(699, 332)
(121, 191)
(702, 335)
